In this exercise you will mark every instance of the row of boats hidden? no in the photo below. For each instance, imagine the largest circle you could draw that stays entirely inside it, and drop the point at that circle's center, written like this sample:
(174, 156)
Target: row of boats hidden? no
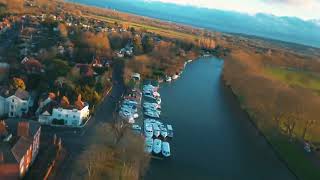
(153, 128)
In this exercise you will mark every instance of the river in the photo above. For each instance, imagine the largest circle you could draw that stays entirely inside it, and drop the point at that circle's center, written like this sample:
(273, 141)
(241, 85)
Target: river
(214, 138)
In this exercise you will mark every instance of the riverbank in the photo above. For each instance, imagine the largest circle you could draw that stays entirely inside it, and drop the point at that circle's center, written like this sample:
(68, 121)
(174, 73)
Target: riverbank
(214, 137)
(274, 110)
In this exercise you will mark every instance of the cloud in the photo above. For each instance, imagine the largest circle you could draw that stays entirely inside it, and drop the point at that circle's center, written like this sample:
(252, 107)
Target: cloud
(305, 9)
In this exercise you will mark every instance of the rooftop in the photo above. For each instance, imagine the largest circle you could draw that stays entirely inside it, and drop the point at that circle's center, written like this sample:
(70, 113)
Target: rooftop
(14, 146)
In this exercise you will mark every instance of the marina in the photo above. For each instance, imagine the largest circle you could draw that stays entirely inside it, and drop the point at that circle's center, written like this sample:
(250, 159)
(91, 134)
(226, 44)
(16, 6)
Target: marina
(213, 137)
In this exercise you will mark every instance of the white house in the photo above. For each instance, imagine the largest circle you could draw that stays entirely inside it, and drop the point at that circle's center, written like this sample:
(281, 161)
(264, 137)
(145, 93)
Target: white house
(3, 107)
(71, 117)
(19, 103)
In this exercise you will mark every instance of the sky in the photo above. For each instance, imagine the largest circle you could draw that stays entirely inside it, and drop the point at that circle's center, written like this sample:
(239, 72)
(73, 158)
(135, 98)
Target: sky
(304, 9)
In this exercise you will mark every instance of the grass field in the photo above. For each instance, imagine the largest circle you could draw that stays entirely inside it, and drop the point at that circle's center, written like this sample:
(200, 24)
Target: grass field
(297, 78)
(157, 30)
(296, 159)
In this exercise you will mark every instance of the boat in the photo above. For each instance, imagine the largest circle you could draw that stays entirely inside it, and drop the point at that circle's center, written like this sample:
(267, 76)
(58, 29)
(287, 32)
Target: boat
(156, 130)
(165, 150)
(136, 127)
(135, 115)
(152, 109)
(170, 130)
(168, 79)
(148, 145)
(164, 132)
(156, 94)
(152, 114)
(148, 104)
(157, 146)
(175, 77)
(148, 130)
(158, 100)
(189, 61)
(153, 121)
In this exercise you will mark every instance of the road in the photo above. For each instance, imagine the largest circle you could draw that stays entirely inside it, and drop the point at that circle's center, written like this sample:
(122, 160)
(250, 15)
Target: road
(75, 140)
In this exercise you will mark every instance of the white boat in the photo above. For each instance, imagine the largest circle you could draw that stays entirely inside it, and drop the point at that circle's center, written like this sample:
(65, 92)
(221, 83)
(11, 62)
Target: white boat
(136, 127)
(152, 114)
(170, 130)
(158, 100)
(152, 109)
(168, 79)
(174, 77)
(148, 104)
(189, 61)
(135, 115)
(131, 120)
(164, 132)
(156, 130)
(148, 130)
(153, 121)
(156, 94)
(165, 149)
(157, 146)
(148, 145)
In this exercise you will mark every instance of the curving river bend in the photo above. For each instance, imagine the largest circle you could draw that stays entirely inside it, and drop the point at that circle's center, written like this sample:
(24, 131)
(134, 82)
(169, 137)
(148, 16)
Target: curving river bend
(214, 138)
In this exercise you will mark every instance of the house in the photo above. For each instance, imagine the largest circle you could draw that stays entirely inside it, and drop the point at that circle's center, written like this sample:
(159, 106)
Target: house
(73, 116)
(19, 147)
(19, 103)
(4, 107)
(32, 66)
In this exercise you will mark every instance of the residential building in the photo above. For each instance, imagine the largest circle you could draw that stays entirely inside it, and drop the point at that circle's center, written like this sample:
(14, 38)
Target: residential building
(19, 103)
(4, 107)
(19, 147)
(66, 116)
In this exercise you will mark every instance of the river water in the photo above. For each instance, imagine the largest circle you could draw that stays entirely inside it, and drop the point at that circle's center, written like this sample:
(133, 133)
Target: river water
(214, 138)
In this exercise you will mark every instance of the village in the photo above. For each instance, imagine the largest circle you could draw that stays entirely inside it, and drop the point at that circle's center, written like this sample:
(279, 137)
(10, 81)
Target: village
(58, 69)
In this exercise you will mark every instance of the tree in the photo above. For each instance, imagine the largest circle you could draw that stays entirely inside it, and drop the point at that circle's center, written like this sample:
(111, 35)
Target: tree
(115, 40)
(137, 45)
(63, 30)
(97, 44)
(148, 44)
(18, 83)
(57, 68)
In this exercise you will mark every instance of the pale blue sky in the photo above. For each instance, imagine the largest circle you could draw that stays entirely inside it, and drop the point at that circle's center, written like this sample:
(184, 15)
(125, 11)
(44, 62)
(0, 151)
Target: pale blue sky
(305, 9)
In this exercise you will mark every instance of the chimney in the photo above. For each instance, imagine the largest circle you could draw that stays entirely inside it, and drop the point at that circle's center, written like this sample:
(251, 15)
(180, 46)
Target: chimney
(23, 129)
(1, 157)
(3, 130)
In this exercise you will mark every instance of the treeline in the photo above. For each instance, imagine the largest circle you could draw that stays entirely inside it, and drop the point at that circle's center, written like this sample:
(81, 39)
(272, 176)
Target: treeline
(115, 153)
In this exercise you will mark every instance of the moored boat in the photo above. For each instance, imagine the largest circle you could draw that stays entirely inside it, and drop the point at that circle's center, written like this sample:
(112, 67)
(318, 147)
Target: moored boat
(148, 145)
(157, 146)
(156, 130)
(148, 130)
(165, 150)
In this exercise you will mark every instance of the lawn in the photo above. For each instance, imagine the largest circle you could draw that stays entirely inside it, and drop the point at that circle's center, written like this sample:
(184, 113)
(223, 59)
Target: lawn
(298, 78)
(294, 155)
(158, 30)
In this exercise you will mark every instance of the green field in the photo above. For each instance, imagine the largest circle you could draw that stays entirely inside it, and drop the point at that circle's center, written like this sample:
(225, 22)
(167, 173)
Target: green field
(157, 30)
(297, 78)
